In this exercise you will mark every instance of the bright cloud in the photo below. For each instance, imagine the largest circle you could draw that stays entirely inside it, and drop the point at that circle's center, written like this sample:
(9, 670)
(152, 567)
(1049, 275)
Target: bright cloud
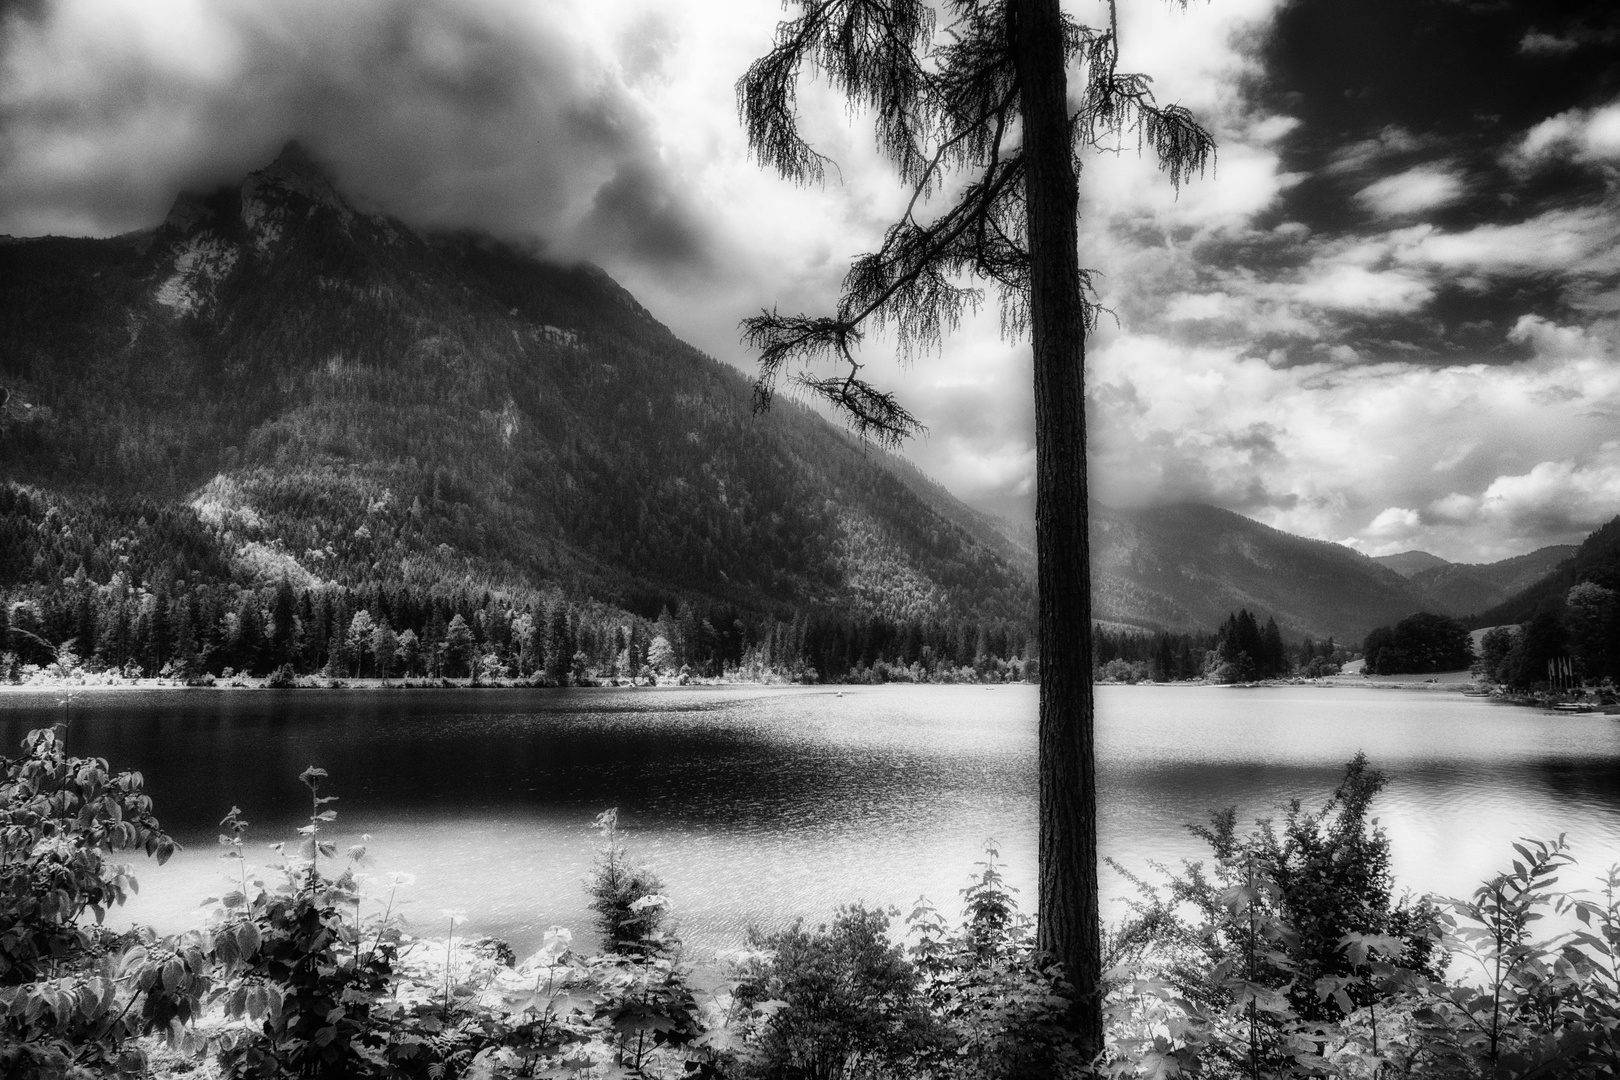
(1412, 192)
(1471, 461)
(1585, 135)
(1359, 289)
(1582, 240)
(1568, 496)
(1394, 523)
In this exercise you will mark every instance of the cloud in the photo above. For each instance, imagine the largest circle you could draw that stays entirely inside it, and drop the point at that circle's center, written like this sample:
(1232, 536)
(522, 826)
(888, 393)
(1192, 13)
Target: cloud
(1537, 43)
(1412, 192)
(1365, 154)
(1453, 509)
(487, 113)
(637, 211)
(1356, 288)
(1557, 499)
(1393, 454)
(1589, 136)
(1394, 523)
(1583, 240)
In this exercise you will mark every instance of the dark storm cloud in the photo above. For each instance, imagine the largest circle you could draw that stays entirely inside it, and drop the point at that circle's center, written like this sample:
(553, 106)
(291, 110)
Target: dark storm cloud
(30, 9)
(486, 114)
(636, 210)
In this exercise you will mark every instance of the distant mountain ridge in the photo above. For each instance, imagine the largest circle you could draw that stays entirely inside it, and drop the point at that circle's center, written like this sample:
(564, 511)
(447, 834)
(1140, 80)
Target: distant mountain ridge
(1187, 566)
(325, 394)
(1596, 560)
(1409, 563)
(1465, 589)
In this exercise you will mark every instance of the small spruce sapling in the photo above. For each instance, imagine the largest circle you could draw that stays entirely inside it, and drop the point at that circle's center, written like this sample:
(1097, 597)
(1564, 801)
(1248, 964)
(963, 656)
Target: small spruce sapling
(628, 899)
(1001, 1011)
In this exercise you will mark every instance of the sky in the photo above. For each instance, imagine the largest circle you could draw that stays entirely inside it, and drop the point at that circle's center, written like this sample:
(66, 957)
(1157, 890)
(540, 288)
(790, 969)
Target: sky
(1389, 316)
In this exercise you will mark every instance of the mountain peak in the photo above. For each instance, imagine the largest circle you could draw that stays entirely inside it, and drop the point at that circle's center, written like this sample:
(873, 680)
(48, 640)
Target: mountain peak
(188, 212)
(295, 170)
(295, 155)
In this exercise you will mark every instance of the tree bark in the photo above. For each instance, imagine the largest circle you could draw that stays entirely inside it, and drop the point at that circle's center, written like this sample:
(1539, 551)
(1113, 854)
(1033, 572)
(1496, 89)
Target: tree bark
(1068, 928)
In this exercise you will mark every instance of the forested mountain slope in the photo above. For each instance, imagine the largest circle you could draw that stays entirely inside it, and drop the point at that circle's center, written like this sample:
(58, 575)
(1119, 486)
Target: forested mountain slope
(1188, 566)
(1466, 588)
(273, 384)
(1597, 560)
(1410, 563)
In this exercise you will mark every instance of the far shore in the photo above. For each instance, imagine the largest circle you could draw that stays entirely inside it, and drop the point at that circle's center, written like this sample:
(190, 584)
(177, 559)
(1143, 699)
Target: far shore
(1455, 682)
(58, 686)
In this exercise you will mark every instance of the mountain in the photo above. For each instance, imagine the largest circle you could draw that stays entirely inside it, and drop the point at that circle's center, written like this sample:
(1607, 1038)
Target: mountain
(274, 384)
(1457, 589)
(1462, 589)
(1519, 573)
(1409, 563)
(1187, 566)
(1596, 560)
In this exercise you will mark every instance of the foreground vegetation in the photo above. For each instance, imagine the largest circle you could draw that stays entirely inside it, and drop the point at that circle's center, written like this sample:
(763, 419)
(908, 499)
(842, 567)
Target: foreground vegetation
(1285, 954)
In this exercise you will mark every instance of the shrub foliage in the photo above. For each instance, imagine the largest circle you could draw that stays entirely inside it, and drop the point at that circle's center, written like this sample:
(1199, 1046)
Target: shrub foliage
(1286, 955)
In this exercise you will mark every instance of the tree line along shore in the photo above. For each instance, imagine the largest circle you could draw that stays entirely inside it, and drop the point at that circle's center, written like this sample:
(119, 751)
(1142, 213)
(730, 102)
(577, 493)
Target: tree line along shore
(116, 632)
(204, 633)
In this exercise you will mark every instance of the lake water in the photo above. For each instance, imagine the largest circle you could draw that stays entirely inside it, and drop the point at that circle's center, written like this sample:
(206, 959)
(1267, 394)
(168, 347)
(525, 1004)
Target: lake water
(759, 804)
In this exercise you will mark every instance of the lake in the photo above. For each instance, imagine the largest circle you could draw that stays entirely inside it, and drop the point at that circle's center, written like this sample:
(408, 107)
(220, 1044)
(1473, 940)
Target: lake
(759, 804)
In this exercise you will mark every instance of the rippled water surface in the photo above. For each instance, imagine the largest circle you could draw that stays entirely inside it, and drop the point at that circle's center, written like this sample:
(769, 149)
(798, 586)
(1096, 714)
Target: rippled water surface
(756, 805)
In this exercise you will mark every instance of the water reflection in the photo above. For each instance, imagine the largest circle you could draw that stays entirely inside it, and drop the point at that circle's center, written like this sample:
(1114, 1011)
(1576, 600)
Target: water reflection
(758, 805)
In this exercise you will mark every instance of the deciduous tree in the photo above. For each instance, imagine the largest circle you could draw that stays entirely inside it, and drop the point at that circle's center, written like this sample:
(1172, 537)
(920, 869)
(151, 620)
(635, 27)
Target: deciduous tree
(384, 645)
(977, 115)
(360, 628)
(458, 643)
(409, 651)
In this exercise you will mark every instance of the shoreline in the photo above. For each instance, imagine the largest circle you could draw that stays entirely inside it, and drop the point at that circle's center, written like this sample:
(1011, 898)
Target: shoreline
(1452, 685)
(58, 686)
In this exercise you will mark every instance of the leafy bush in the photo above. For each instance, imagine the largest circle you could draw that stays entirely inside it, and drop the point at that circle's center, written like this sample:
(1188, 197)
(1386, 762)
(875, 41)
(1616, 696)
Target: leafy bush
(1287, 957)
(67, 991)
(1295, 963)
(1253, 949)
(283, 678)
(1527, 1006)
(307, 990)
(850, 1003)
(970, 1003)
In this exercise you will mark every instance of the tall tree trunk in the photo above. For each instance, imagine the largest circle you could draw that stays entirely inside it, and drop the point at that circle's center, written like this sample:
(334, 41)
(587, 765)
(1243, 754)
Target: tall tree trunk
(1067, 895)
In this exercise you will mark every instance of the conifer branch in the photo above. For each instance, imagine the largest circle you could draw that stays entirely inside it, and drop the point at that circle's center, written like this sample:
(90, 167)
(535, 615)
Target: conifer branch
(943, 104)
